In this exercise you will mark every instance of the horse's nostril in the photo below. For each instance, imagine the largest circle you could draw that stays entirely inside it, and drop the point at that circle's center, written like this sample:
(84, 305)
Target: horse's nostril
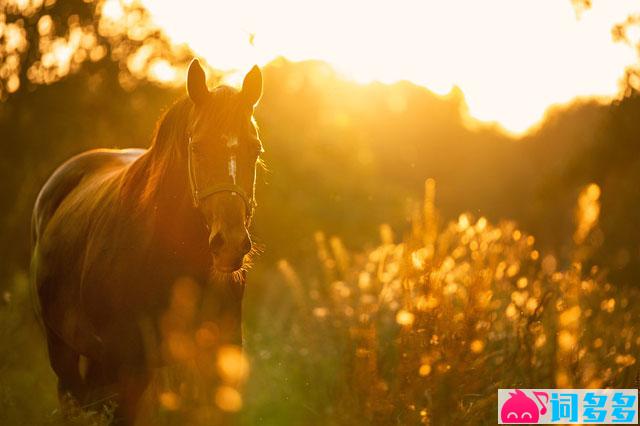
(216, 242)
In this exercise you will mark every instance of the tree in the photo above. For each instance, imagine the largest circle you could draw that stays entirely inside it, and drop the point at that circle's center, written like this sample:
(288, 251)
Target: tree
(621, 33)
(43, 41)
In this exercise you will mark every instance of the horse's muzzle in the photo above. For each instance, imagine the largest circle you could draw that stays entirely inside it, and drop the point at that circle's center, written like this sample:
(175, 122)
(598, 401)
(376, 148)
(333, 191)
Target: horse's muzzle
(229, 249)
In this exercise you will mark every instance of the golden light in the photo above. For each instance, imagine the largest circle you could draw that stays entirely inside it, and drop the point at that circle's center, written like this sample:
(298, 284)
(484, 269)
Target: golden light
(427, 303)
(160, 70)
(477, 346)
(566, 341)
(570, 317)
(608, 305)
(425, 370)
(404, 317)
(541, 340)
(588, 212)
(228, 399)
(233, 365)
(625, 360)
(169, 400)
(512, 59)
(522, 282)
(112, 9)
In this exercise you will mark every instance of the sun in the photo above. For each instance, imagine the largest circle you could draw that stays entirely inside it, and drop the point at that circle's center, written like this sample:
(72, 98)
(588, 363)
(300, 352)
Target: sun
(511, 59)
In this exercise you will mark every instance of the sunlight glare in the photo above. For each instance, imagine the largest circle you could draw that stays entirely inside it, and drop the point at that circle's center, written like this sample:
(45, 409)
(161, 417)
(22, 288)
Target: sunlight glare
(511, 59)
(113, 10)
(161, 70)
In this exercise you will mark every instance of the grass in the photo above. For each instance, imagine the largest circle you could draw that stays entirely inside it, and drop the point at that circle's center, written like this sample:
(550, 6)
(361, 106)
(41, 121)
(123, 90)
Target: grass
(27, 385)
(426, 329)
(418, 330)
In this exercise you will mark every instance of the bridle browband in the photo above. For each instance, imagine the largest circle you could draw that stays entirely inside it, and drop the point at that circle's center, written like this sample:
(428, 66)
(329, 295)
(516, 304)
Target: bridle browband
(200, 194)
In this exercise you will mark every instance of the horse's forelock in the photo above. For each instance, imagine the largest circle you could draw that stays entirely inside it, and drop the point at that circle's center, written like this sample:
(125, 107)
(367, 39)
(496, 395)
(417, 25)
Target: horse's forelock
(222, 108)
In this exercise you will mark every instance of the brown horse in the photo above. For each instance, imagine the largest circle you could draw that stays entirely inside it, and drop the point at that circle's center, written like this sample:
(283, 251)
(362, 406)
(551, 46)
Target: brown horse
(113, 230)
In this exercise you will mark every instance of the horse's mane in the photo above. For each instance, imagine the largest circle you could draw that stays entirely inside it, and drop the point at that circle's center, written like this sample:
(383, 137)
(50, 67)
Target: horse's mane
(146, 176)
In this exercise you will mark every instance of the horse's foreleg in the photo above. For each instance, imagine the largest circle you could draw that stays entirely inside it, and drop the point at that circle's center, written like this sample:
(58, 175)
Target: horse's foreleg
(131, 386)
(64, 362)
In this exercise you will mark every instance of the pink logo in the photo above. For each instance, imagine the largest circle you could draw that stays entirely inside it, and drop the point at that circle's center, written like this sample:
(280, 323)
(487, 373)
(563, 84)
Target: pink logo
(519, 408)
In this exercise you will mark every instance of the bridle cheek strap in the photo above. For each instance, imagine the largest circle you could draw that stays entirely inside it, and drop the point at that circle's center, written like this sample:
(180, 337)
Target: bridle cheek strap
(199, 195)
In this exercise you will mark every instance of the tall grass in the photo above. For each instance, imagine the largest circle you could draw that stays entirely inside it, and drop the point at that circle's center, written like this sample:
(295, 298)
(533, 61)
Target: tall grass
(426, 329)
(27, 385)
(415, 330)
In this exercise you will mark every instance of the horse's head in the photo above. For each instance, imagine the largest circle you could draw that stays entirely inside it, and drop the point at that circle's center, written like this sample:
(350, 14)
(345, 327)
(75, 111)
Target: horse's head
(224, 149)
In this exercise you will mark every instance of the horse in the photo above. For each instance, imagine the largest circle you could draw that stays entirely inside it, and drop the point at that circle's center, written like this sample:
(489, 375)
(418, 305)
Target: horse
(114, 230)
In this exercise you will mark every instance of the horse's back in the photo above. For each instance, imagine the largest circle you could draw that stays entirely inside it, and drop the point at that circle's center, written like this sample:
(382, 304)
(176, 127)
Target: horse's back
(63, 215)
(70, 175)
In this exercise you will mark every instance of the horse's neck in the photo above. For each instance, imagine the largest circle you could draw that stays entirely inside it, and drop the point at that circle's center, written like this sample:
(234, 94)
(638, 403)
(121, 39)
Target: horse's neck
(160, 195)
(180, 240)
(174, 204)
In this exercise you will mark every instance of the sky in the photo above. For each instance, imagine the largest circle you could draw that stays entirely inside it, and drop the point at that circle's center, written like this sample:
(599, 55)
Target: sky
(512, 59)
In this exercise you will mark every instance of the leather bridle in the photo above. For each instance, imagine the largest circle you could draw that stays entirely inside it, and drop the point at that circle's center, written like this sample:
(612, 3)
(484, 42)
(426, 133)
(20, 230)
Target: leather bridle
(200, 194)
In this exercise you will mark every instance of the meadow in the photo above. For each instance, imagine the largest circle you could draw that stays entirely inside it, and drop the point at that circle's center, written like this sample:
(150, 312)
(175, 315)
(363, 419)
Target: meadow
(418, 329)
(423, 329)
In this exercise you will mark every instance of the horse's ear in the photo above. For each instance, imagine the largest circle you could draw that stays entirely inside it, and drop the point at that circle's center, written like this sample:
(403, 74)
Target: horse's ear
(252, 86)
(197, 83)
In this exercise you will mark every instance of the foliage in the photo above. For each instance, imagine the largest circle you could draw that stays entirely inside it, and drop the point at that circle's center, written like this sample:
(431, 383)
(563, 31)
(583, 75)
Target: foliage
(43, 41)
(425, 331)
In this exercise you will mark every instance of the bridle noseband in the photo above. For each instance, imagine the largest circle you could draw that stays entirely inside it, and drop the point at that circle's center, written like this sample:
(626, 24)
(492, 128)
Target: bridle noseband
(200, 194)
